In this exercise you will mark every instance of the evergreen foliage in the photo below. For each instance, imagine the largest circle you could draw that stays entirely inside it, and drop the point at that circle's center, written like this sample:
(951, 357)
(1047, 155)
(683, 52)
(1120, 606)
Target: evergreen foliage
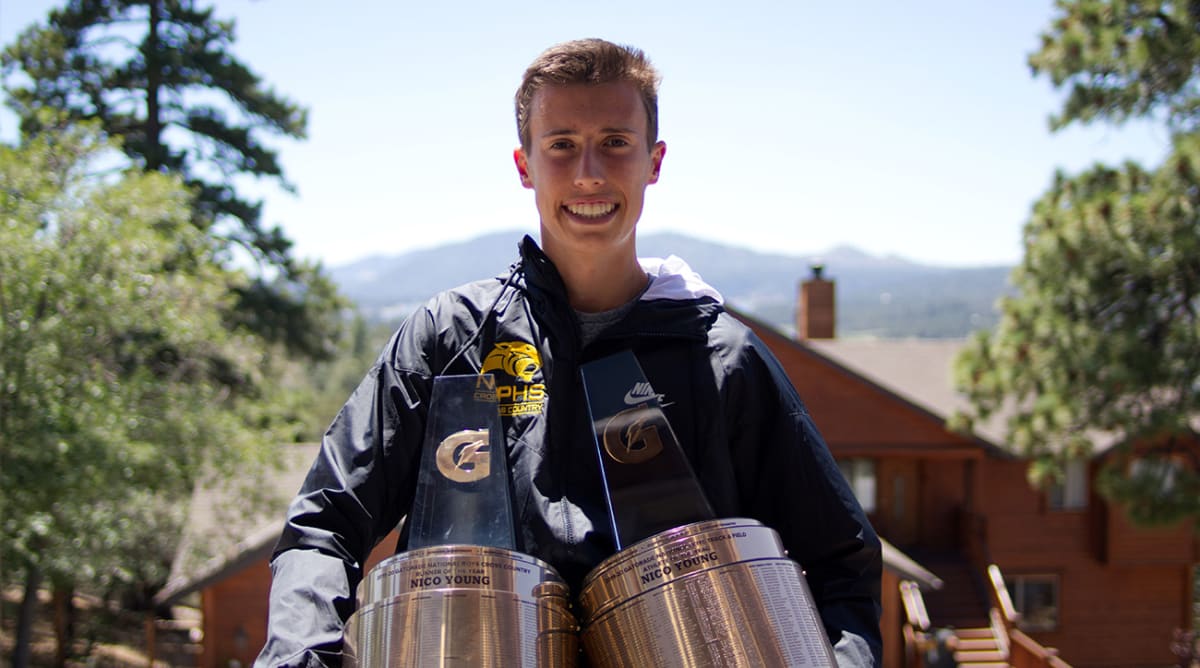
(1124, 59)
(161, 76)
(1101, 344)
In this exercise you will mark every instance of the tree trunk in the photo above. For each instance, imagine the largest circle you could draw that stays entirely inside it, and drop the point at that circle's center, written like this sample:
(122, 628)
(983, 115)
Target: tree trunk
(155, 153)
(23, 650)
(64, 623)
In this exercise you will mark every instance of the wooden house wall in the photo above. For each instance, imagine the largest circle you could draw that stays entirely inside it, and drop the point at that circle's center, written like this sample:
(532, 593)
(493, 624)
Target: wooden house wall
(1109, 615)
(235, 611)
(1129, 545)
(945, 496)
(235, 617)
(1118, 616)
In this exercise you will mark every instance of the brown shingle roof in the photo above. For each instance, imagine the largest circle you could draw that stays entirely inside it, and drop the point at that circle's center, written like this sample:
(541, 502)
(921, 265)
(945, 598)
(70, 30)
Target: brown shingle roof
(919, 371)
(234, 523)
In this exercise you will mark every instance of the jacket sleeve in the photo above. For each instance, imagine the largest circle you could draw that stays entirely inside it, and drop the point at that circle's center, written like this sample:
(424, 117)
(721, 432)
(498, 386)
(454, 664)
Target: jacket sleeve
(357, 489)
(791, 483)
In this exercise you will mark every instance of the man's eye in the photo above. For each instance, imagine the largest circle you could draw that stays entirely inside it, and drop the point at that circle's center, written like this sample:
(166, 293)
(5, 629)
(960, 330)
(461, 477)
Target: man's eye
(560, 145)
(617, 141)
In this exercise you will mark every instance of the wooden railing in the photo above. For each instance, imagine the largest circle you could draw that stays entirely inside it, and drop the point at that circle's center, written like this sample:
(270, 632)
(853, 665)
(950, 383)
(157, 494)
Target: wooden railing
(1028, 653)
(1002, 605)
(180, 638)
(1022, 651)
(1000, 631)
(1019, 650)
(916, 625)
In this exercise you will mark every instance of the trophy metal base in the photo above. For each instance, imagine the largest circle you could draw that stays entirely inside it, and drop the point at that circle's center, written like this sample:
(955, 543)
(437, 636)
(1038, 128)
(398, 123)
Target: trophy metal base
(714, 593)
(461, 605)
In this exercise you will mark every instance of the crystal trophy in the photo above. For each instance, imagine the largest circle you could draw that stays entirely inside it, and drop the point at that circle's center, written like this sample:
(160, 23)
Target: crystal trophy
(648, 481)
(684, 588)
(460, 595)
(462, 489)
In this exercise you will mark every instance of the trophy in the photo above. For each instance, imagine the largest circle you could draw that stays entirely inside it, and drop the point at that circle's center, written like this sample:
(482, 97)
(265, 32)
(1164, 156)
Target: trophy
(461, 595)
(684, 588)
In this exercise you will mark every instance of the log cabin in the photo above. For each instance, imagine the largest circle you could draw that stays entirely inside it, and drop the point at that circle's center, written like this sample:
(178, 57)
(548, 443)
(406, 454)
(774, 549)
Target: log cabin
(977, 562)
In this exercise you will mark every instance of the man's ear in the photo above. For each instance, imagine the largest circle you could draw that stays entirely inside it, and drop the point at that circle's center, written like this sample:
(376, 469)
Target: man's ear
(656, 158)
(522, 166)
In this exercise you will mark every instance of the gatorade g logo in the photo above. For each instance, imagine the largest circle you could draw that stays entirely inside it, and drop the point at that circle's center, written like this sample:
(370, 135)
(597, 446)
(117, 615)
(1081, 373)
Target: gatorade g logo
(515, 358)
(632, 436)
(519, 362)
(465, 456)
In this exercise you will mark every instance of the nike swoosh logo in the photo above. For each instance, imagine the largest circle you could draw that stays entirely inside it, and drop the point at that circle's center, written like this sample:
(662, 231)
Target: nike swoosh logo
(640, 392)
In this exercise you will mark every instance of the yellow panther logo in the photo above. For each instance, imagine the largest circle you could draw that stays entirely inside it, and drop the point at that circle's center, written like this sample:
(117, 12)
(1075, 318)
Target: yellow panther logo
(515, 358)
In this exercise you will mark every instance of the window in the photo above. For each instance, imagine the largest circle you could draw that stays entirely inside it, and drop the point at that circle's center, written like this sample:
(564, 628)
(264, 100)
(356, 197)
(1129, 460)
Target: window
(1160, 471)
(860, 473)
(1072, 492)
(1036, 598)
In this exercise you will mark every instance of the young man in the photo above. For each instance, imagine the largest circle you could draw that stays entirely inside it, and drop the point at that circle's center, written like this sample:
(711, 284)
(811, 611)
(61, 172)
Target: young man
(588, 123)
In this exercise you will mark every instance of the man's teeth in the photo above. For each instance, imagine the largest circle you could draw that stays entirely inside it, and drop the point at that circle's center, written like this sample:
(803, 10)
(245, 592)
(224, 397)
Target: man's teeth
(592, 209)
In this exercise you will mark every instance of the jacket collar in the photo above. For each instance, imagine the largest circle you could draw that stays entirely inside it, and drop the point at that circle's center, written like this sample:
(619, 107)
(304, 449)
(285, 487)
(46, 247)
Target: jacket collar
(540, 272)
(678, 303)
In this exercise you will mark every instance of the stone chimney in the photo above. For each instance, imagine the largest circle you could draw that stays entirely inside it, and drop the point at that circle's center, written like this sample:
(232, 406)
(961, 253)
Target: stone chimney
(815, 312)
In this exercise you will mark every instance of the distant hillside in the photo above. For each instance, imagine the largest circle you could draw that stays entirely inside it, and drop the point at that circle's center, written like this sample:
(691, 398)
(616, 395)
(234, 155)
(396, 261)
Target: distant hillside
(389, 287)
(887, 297)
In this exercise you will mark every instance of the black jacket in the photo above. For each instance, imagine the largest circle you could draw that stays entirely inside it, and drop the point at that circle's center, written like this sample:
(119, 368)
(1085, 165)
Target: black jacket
(745, 431)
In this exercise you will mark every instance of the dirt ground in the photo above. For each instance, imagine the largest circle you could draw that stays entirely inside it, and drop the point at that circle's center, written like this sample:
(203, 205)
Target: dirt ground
(104, 637)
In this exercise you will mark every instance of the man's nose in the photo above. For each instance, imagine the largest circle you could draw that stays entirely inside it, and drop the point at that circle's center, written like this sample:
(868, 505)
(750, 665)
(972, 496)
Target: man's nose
(589, 170)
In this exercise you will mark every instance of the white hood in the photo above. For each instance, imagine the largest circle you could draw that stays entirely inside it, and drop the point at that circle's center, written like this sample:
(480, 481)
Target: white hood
(672, 278)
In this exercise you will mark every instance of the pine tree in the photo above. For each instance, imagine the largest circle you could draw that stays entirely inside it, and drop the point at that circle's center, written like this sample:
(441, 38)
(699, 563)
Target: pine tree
(160, 75)
(1101, 345)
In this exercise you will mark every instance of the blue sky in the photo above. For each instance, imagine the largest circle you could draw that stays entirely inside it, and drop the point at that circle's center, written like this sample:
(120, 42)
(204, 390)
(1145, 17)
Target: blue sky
(911, 129)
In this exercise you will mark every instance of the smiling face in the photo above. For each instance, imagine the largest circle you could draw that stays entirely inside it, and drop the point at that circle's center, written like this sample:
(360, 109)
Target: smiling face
(588, 163)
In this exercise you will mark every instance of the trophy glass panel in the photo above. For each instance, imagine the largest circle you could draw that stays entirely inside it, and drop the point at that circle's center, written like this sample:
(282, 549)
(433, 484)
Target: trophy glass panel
(462, 488)
(648, 480)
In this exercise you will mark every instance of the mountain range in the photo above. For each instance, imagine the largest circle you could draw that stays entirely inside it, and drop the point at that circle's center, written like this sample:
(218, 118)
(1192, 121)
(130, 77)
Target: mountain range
(884, 297)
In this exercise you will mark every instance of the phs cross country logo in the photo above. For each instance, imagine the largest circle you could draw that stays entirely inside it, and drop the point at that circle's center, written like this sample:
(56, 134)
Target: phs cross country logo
(519, 361)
